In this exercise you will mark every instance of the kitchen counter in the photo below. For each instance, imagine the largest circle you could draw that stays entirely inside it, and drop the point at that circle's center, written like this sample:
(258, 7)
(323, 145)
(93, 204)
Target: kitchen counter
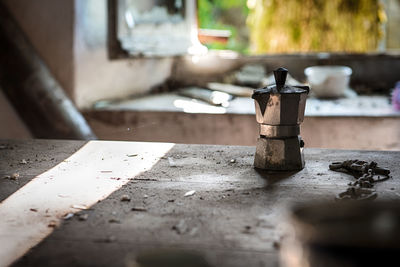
(103, 203)
(353, 106)
(361, 122)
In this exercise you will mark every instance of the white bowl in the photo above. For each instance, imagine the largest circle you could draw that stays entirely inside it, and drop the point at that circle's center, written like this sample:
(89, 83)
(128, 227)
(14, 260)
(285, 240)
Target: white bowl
(328, 81)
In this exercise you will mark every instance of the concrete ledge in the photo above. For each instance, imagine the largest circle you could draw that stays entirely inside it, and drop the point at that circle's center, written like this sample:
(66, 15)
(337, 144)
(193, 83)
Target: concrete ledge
(367, 133)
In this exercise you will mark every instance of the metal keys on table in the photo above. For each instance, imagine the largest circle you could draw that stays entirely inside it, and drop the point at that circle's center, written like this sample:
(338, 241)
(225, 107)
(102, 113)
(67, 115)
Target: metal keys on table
(366, 174)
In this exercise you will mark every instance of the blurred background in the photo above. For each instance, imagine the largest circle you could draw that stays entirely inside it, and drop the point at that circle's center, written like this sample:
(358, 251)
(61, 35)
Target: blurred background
(259, 27)
(183, 71)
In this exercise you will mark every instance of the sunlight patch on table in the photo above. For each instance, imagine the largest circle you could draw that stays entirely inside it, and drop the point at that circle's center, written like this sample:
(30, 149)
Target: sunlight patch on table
(89, 175)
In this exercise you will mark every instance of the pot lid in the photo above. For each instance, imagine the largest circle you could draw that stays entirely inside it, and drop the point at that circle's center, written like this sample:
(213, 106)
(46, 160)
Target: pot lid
(279, 87)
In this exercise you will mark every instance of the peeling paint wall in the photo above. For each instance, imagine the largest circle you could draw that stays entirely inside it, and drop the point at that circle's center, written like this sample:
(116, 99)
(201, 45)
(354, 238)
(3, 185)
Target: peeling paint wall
(96, 77)
(71, 38)
(48, 25)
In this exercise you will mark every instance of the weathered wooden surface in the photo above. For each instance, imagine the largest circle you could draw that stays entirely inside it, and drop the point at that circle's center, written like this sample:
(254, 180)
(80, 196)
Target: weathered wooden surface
(41, 155)
(233, 219)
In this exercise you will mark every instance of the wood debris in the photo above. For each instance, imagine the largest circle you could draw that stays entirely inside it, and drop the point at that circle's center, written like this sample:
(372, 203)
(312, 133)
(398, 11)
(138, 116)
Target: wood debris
(190, 193)
(52, 224)
(125, 198)
(13, 176)
(144, 179)
(83, 217)
(247, 229)
(68, 216)
(171, 162)
(79, 207)
(138, 209)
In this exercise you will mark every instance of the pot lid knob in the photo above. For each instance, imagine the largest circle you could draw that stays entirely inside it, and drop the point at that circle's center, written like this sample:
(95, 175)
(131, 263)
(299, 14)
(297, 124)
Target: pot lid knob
(280, 78)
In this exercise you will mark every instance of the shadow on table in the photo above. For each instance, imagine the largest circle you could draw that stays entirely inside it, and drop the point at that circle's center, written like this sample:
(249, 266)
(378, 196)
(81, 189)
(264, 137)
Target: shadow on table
(22, 160)
(274, 177)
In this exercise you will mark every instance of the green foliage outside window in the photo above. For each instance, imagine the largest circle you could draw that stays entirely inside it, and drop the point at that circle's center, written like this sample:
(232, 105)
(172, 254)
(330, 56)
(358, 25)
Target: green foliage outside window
(225, 15)
(277, 26)
(316, 25)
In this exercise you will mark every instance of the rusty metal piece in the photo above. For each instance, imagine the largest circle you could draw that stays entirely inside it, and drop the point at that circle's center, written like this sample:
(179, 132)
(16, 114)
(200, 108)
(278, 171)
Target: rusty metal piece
(358, 167)
(336, 166)
(357, 193)
(364, 173)
(363, 183)
(382, 171)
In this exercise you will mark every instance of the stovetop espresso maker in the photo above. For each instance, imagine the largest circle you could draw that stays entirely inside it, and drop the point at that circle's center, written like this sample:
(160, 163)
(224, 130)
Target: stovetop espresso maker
(280, 111)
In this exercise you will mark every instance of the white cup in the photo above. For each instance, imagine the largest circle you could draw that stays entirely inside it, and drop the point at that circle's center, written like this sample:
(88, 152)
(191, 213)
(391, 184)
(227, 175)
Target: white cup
(328, 81)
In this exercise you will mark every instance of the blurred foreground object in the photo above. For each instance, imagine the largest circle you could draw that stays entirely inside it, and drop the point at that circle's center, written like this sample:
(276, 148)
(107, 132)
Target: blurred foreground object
(343, 234)
(167, 258)
(37, 96)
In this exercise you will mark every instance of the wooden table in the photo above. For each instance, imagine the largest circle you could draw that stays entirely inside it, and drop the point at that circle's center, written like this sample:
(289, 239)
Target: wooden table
(233, 218)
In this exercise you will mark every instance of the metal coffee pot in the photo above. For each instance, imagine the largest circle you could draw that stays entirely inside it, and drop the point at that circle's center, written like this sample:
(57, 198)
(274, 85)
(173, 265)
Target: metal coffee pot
(280, 111)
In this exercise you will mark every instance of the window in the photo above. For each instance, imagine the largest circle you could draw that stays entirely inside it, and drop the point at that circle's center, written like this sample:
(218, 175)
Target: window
(154, 27)
(175, 27)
